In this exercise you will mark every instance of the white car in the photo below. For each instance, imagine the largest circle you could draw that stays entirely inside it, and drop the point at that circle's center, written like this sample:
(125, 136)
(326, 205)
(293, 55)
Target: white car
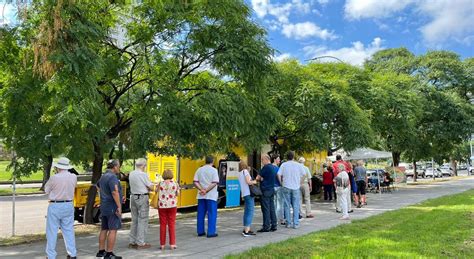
(446, 170)
(410, 171)
(429, 172)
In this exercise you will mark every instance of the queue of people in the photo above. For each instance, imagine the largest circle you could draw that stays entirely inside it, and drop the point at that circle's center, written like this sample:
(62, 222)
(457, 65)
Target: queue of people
(283, 189)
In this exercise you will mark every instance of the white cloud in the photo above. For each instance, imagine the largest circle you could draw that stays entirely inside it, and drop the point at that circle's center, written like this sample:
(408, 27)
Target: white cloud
(280, 11)
(323, 2)
(451, 20)
(356, 54)
(306, 30)
(357, 9)
(282, 57)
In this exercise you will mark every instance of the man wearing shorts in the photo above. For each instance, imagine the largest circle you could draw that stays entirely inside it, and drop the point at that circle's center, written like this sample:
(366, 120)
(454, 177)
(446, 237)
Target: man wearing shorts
(361, 180)
(110, 208)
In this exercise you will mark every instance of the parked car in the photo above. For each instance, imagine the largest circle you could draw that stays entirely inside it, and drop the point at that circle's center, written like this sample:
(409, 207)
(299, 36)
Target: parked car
(410, 171)
(372, 175)
(446, 170)
(429, 172)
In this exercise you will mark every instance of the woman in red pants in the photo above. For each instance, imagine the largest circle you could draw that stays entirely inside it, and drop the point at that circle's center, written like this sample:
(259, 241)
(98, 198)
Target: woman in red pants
(168, 199)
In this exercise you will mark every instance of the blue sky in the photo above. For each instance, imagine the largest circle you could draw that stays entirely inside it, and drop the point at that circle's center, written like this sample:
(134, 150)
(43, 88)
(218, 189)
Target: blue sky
(352, 30)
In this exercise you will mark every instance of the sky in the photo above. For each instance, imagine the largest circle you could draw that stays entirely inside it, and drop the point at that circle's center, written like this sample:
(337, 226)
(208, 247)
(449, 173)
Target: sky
(352, 30)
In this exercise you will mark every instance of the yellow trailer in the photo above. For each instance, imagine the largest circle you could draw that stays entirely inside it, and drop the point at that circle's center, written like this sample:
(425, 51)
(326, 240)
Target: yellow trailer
(80, 200)
(183, 172)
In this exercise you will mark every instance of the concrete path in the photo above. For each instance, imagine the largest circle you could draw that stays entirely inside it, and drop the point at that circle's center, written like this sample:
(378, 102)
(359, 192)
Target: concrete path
(229, 228)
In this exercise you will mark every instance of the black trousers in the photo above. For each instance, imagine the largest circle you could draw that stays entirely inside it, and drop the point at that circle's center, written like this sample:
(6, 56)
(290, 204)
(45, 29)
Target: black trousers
(328, 190)
(268, 209)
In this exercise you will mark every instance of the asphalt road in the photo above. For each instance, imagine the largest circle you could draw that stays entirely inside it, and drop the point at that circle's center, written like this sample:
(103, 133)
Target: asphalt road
(30, 214)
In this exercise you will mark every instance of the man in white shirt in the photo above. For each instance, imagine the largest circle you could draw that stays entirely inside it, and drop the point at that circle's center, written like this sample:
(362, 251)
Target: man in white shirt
(140, 185)
(306, 188)
(290, 175)
(206, 179)
(60, 190)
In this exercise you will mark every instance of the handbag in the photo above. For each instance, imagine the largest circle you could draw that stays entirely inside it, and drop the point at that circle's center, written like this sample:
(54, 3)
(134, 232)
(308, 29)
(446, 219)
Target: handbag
(154, 198)
(254, 189)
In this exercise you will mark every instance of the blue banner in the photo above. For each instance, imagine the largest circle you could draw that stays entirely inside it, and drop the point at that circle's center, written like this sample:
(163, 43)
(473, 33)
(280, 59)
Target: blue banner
(232, 185)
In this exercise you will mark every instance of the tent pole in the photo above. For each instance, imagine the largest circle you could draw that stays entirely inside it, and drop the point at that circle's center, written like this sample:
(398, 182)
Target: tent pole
(378, 176)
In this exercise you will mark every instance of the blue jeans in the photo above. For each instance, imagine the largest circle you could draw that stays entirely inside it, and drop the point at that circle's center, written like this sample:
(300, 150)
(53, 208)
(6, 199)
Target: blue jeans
(292, 198)
(248, 210)
(60, 215)
(279, 203)
(208, 207)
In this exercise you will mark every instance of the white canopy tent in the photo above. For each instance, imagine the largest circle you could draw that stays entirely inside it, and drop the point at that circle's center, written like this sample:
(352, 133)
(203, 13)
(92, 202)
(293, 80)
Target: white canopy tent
(368, 153)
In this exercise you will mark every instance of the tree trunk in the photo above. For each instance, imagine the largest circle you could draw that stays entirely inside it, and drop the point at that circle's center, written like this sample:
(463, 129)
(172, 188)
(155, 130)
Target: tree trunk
(96, 173)
(48, 163)
(454, 165)
(121, 154)
(415, 173)
(396, 158)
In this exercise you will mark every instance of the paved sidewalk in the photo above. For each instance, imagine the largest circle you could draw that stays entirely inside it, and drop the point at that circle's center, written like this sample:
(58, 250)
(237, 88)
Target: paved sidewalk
(230, 227)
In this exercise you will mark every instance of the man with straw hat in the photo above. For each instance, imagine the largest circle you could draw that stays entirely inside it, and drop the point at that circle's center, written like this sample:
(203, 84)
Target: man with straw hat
(60, 190)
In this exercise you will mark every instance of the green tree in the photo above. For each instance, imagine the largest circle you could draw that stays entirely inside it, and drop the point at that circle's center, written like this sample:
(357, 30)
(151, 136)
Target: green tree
(134, 75)
(393, 98)
(395, 110)
(318, 112)
(24, 99)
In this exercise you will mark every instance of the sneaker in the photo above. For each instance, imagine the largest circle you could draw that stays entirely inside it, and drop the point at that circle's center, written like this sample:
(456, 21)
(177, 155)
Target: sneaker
(296, 226)
(338, 211)
(211, 236)
(251, 233)
(144, 246)
(202, 234)
(131, 245)
(100, 254)
(282, 223)
(263, 230)
(310, 216)
(359, 206)
(351, 211)
(112, 256)
(248, 234)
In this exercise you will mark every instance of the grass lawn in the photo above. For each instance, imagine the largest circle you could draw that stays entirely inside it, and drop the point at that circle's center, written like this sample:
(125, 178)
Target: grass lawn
(27, 190)
(438, 228)
(7, 175)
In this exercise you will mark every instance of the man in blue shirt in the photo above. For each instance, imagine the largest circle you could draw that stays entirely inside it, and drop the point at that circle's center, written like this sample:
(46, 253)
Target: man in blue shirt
(267, 180)
(110, 209)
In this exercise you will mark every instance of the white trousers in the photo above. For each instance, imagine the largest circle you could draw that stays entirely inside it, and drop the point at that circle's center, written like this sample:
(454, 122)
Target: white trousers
(343, 200)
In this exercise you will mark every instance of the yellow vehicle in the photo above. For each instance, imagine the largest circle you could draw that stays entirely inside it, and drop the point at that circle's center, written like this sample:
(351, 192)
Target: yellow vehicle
(184, 169)
(80, 200)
